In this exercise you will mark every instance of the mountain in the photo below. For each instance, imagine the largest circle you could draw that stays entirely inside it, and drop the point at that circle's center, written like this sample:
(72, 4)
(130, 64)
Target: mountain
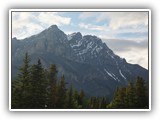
(86, 62)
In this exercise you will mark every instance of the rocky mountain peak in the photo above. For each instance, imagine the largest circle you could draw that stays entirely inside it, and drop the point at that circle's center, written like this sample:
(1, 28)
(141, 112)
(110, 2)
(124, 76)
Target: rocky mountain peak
(85, 61)
(54, 30)
(53, 27)
(74, 36)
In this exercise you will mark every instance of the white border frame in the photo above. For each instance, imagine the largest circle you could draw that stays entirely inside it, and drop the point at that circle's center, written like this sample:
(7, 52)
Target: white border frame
(81, 10)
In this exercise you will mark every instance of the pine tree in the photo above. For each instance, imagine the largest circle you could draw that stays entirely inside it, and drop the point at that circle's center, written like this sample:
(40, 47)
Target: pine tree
(52, 86)
(16, 94)
(38, 85)
(20, 95)
(141, 93)
(61, 94)
(70, 98)
(76, 98)
(81, 98)
(103, 103)
(118, 99)
(130, 96)
(93, 103)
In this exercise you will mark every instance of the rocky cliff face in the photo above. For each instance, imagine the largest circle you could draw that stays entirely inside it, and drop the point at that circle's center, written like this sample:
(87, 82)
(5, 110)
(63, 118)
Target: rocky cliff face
(85, 61)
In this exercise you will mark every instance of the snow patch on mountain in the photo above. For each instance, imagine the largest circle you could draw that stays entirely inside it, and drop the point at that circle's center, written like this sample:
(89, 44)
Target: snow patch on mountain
(112, 76)
(122, 74)
(77, 45)
(98, 49)
(89, 45)
(82, 52)
(70, 36)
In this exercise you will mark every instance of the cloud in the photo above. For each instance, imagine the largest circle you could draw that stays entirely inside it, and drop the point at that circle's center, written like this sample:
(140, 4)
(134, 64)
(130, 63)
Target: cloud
(85, 15)
(92, 27)
(135, 56)
(138, 33)
(50, 18)
(123, 45)
(118, 19)
(124, 19)
(25, 24)
(117, 25)
(134, 52)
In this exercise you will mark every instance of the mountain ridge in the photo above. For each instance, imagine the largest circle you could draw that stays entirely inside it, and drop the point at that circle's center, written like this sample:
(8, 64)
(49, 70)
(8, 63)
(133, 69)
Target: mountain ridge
(85, 61)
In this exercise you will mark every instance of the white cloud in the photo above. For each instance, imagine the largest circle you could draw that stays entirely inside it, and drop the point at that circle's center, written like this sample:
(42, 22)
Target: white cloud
(117, 22)
(134, 52)
(92, 27)
(132, 57)
(85, 15)
(25, 24)
(119, 19)
(124, 19)
(105, 32)
(22, 25)
(50, 18)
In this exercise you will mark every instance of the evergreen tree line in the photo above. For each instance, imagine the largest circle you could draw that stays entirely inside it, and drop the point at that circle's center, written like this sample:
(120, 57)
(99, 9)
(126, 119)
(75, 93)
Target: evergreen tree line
(38, 88)
(134, 96)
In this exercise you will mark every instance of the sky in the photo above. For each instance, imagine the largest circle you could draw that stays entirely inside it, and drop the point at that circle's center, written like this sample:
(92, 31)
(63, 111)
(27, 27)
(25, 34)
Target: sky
(126, 33)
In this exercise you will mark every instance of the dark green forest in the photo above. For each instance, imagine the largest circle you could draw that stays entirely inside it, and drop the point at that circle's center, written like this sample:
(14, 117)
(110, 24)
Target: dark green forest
(38, 88)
